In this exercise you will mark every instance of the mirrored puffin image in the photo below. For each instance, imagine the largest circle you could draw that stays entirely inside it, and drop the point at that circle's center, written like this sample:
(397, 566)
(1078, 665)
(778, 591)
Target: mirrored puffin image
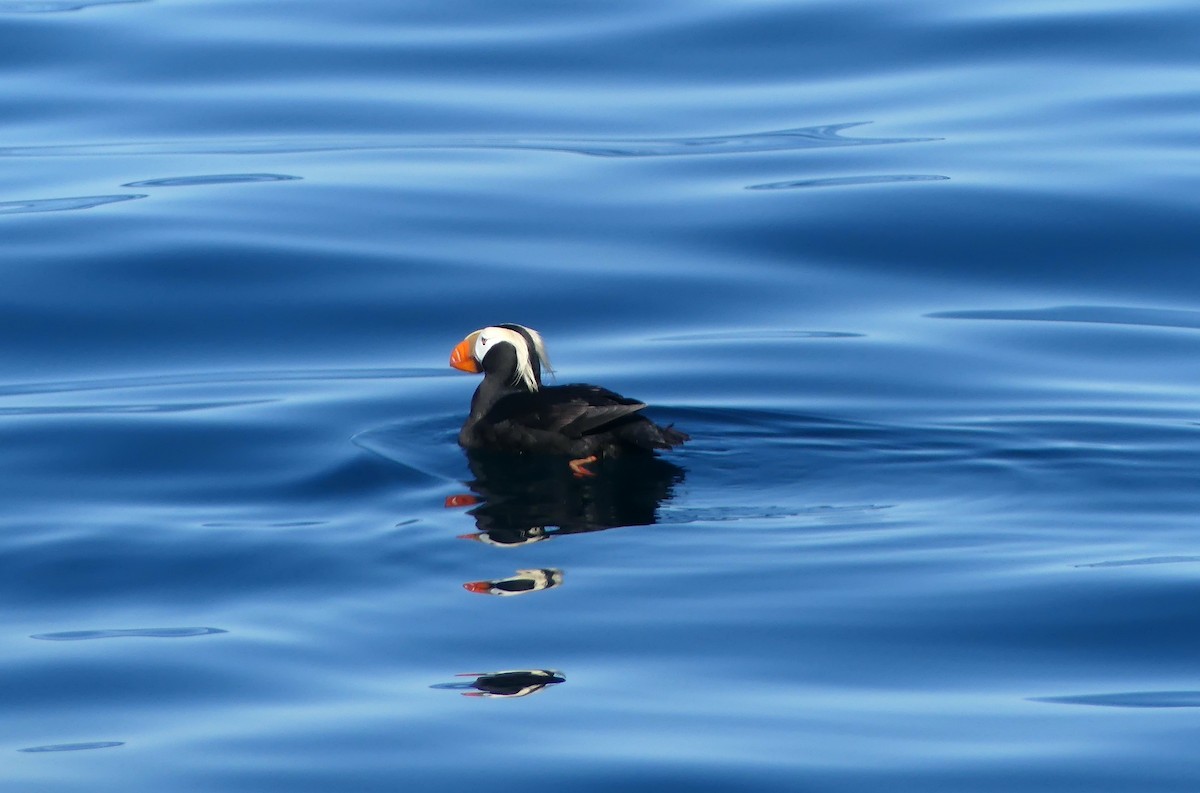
(511, 411)
(508, 684)
(518, 500)
(524, 582)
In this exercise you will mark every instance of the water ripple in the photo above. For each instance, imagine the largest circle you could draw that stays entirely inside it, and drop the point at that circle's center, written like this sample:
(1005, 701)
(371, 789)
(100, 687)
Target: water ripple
(782, 334)
(1130, 699)
(218, 378)
(185, 407)
(823, 136)
(61, 204)
(842, 181)
(73, 747)
(682, 516)
(227, 178)
(1104, 315)
(152, 633)
(407, 444)
(281, 524)
(777, 140)
(1146, 561)
(56, 6)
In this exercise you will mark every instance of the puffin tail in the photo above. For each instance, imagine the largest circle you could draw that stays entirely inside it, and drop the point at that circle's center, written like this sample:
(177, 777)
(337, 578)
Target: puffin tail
(648, 436)
(669, 437)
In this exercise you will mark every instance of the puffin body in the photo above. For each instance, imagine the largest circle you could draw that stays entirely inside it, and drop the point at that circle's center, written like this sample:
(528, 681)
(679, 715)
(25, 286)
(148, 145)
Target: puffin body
(512, 411)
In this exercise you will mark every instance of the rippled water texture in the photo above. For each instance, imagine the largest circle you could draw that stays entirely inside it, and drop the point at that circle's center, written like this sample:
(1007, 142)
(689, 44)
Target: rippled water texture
(919, 279)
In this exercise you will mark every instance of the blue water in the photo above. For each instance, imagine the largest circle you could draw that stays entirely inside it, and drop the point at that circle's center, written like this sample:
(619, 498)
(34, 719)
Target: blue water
(920, 279)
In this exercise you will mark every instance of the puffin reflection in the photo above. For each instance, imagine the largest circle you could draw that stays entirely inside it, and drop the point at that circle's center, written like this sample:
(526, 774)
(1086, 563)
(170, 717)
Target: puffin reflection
(509, 684)
(524, 582)
(518, 499)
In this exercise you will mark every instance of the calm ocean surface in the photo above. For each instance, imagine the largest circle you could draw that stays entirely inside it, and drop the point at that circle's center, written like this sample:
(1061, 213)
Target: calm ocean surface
(921, 279)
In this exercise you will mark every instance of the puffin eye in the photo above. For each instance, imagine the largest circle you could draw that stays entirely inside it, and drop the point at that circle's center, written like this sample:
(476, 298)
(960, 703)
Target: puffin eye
(481, 346)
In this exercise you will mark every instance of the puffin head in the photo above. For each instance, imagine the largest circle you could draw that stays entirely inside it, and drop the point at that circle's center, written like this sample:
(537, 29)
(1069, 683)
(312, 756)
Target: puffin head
(514, 352)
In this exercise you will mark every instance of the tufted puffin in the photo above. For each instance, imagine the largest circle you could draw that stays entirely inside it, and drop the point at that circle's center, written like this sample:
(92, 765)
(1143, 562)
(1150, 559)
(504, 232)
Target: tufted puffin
(524, 582)
(511, 410)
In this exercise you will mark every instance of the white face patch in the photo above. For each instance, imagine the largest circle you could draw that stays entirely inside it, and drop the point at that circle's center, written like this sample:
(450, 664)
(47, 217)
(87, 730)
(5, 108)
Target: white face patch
(489, 337)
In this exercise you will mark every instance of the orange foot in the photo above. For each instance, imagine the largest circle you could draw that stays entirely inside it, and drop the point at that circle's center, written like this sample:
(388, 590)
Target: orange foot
(463, 500)
(577, 466)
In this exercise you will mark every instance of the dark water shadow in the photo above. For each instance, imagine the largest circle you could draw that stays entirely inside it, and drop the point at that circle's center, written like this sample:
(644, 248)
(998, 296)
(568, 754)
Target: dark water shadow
(145, 633)
(61, 204)
(1103, 315)
(73, 747)
(1129, 699)
(519, 499)
(841, 181)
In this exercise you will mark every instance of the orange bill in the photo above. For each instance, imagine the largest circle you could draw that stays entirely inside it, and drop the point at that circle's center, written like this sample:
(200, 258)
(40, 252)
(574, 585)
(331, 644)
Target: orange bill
(463, 358)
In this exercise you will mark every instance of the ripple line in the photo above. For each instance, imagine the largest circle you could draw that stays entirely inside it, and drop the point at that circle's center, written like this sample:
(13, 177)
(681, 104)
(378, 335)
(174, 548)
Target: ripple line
(822, 136)
(1102, 315)
(57, 6)
(782, 334)
(777, 140)
(151, 633)
(1144, 561)
(81, 410)
(217, 378)
(844, 181)
(61, 204)
(73, 747)
(1130, 699)
(226, 178)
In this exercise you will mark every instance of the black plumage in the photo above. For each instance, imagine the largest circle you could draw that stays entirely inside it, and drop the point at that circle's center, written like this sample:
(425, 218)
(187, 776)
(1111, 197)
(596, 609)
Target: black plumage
(515, 413)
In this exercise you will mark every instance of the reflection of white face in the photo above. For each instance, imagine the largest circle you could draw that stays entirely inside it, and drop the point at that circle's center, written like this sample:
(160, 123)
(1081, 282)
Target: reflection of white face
(535, 678)
(532, 534)
(489, 337)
